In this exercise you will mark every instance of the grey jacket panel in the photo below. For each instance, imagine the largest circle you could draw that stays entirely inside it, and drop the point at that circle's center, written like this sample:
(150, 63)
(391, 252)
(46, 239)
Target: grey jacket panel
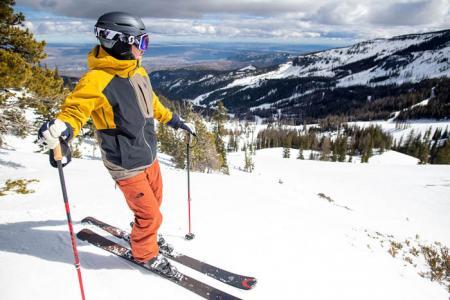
(130, 147)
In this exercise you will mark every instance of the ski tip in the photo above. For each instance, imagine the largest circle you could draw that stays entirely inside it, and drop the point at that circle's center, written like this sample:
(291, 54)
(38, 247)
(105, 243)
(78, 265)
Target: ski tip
(84, 234)
(249, 283)
(87, 220)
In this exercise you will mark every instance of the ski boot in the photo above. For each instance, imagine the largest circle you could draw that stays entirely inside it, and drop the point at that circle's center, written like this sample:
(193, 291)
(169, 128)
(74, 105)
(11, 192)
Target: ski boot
(164, 247)
(162, 266)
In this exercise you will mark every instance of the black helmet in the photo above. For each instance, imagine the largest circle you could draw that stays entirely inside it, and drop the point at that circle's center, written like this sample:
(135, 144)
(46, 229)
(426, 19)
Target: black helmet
(125, 23)
(121, 22)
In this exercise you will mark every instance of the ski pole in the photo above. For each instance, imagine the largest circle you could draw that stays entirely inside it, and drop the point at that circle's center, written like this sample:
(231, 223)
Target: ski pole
(190, 235)
(57, 154)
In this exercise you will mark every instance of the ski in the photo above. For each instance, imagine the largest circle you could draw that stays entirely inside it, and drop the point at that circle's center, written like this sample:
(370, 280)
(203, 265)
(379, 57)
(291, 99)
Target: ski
(235, 280)
(200, 288)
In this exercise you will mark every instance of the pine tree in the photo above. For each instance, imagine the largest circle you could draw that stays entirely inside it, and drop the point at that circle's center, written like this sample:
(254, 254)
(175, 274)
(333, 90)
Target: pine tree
(443, 154)
(335, 146)
(249, 166)
(300, 154)
(445, 134)
(220, 117)
(427, 135)
(433, 151)
(424, 152)
(437, 134)
(231, 146)
(204, 156)
(325, 147)
(20, 55)
(165, 138)
(342, 150)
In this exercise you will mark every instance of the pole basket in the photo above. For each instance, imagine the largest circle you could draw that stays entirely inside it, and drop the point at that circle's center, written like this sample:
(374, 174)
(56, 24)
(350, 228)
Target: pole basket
(189, 236)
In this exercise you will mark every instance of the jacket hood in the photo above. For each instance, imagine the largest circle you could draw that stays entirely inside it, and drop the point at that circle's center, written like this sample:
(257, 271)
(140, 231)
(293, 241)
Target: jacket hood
(99, 59)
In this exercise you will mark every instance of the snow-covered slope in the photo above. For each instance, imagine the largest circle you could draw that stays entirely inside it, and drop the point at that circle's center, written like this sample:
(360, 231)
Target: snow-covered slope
(377, 62)
(302, 87)
(271, 223)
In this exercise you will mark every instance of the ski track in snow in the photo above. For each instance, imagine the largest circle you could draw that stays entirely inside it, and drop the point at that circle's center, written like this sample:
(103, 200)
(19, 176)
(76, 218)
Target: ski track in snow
(297, 244)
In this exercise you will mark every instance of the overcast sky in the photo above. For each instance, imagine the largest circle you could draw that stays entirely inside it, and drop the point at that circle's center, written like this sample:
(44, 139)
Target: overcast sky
(325, 22)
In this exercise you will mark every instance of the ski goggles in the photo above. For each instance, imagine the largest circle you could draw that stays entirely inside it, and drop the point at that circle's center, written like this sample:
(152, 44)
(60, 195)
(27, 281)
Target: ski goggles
(141, 41)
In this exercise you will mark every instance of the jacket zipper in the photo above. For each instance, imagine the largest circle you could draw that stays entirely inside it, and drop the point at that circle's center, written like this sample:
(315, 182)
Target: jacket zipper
(145, 121)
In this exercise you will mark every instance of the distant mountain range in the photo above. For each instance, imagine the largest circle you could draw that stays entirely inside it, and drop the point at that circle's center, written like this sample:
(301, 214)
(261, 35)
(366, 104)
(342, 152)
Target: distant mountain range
(314, 85)
(71, 58)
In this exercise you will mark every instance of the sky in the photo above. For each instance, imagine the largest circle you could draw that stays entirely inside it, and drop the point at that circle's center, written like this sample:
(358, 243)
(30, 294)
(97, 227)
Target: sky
(318, 22)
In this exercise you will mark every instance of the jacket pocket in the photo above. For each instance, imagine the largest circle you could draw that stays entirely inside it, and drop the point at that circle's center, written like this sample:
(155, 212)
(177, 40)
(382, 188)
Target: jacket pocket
(134, 152)
(110, 146)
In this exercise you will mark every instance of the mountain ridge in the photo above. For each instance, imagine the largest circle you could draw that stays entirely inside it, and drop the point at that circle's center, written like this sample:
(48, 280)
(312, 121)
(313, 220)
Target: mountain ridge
(298, 87)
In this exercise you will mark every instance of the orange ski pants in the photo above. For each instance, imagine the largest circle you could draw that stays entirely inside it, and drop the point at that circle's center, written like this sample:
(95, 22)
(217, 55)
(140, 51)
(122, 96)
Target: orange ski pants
(143, 193)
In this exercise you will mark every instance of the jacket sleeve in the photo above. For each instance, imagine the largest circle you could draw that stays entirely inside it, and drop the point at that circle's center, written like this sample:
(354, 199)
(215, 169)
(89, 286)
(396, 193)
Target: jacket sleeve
(78, 106)
(160, 112)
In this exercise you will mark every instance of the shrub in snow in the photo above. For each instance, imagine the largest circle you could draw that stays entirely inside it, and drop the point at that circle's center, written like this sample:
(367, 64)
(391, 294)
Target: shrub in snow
(19, 186)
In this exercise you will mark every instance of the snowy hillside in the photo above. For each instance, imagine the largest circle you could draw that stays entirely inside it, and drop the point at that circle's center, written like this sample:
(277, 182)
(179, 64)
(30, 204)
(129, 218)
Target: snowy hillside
(381, 61)
(321, 83)
(305, 229)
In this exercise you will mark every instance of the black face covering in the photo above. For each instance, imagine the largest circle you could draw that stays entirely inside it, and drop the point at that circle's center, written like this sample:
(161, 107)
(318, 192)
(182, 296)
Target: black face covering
(120, 51)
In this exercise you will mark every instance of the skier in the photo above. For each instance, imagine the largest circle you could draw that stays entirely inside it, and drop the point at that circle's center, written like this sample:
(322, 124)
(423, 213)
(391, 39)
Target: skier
(117, 94)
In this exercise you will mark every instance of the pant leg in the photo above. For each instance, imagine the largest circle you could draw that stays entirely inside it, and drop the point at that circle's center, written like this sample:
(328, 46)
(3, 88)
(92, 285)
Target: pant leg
(155, 179)
(143, 202)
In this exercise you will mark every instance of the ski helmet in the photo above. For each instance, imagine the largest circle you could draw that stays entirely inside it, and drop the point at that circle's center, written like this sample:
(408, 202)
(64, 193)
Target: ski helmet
(116, 30)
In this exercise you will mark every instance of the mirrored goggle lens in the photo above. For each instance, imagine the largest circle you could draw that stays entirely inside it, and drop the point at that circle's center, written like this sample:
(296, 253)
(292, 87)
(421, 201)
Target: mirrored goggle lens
(143, 42)
(107, 34)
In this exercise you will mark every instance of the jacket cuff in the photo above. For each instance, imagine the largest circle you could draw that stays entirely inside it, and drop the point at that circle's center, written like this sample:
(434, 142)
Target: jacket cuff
(175, 122)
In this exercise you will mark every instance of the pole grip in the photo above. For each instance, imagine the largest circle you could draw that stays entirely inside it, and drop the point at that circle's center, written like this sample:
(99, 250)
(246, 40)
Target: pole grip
(57, 153)
(187, 138)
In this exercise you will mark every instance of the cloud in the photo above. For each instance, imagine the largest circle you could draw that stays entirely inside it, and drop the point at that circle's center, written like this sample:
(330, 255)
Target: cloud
(254, 28)
(343, 13)
(58, 27)
(411, 13)
(286, 20)
(169, 9)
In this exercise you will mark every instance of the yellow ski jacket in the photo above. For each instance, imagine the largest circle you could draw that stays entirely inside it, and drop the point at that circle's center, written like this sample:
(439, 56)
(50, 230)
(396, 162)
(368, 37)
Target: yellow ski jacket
(117, 94)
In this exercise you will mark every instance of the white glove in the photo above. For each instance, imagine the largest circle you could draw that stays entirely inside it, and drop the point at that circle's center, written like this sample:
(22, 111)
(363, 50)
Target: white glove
(51, 131)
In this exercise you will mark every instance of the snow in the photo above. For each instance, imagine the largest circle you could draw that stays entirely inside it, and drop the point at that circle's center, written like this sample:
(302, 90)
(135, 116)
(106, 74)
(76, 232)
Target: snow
(274, 104)
(393, 158)
(423, 64)
(176, 84)
(403, 129)
(426, 64)
(248, 68)
(200, 98)
(270, 224)
(421, 103)
(396, 113)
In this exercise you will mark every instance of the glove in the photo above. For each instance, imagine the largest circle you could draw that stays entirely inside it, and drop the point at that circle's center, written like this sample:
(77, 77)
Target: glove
(177, 123)
(51, 131)
(189, 127)
(56, 132)
(66, 152)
